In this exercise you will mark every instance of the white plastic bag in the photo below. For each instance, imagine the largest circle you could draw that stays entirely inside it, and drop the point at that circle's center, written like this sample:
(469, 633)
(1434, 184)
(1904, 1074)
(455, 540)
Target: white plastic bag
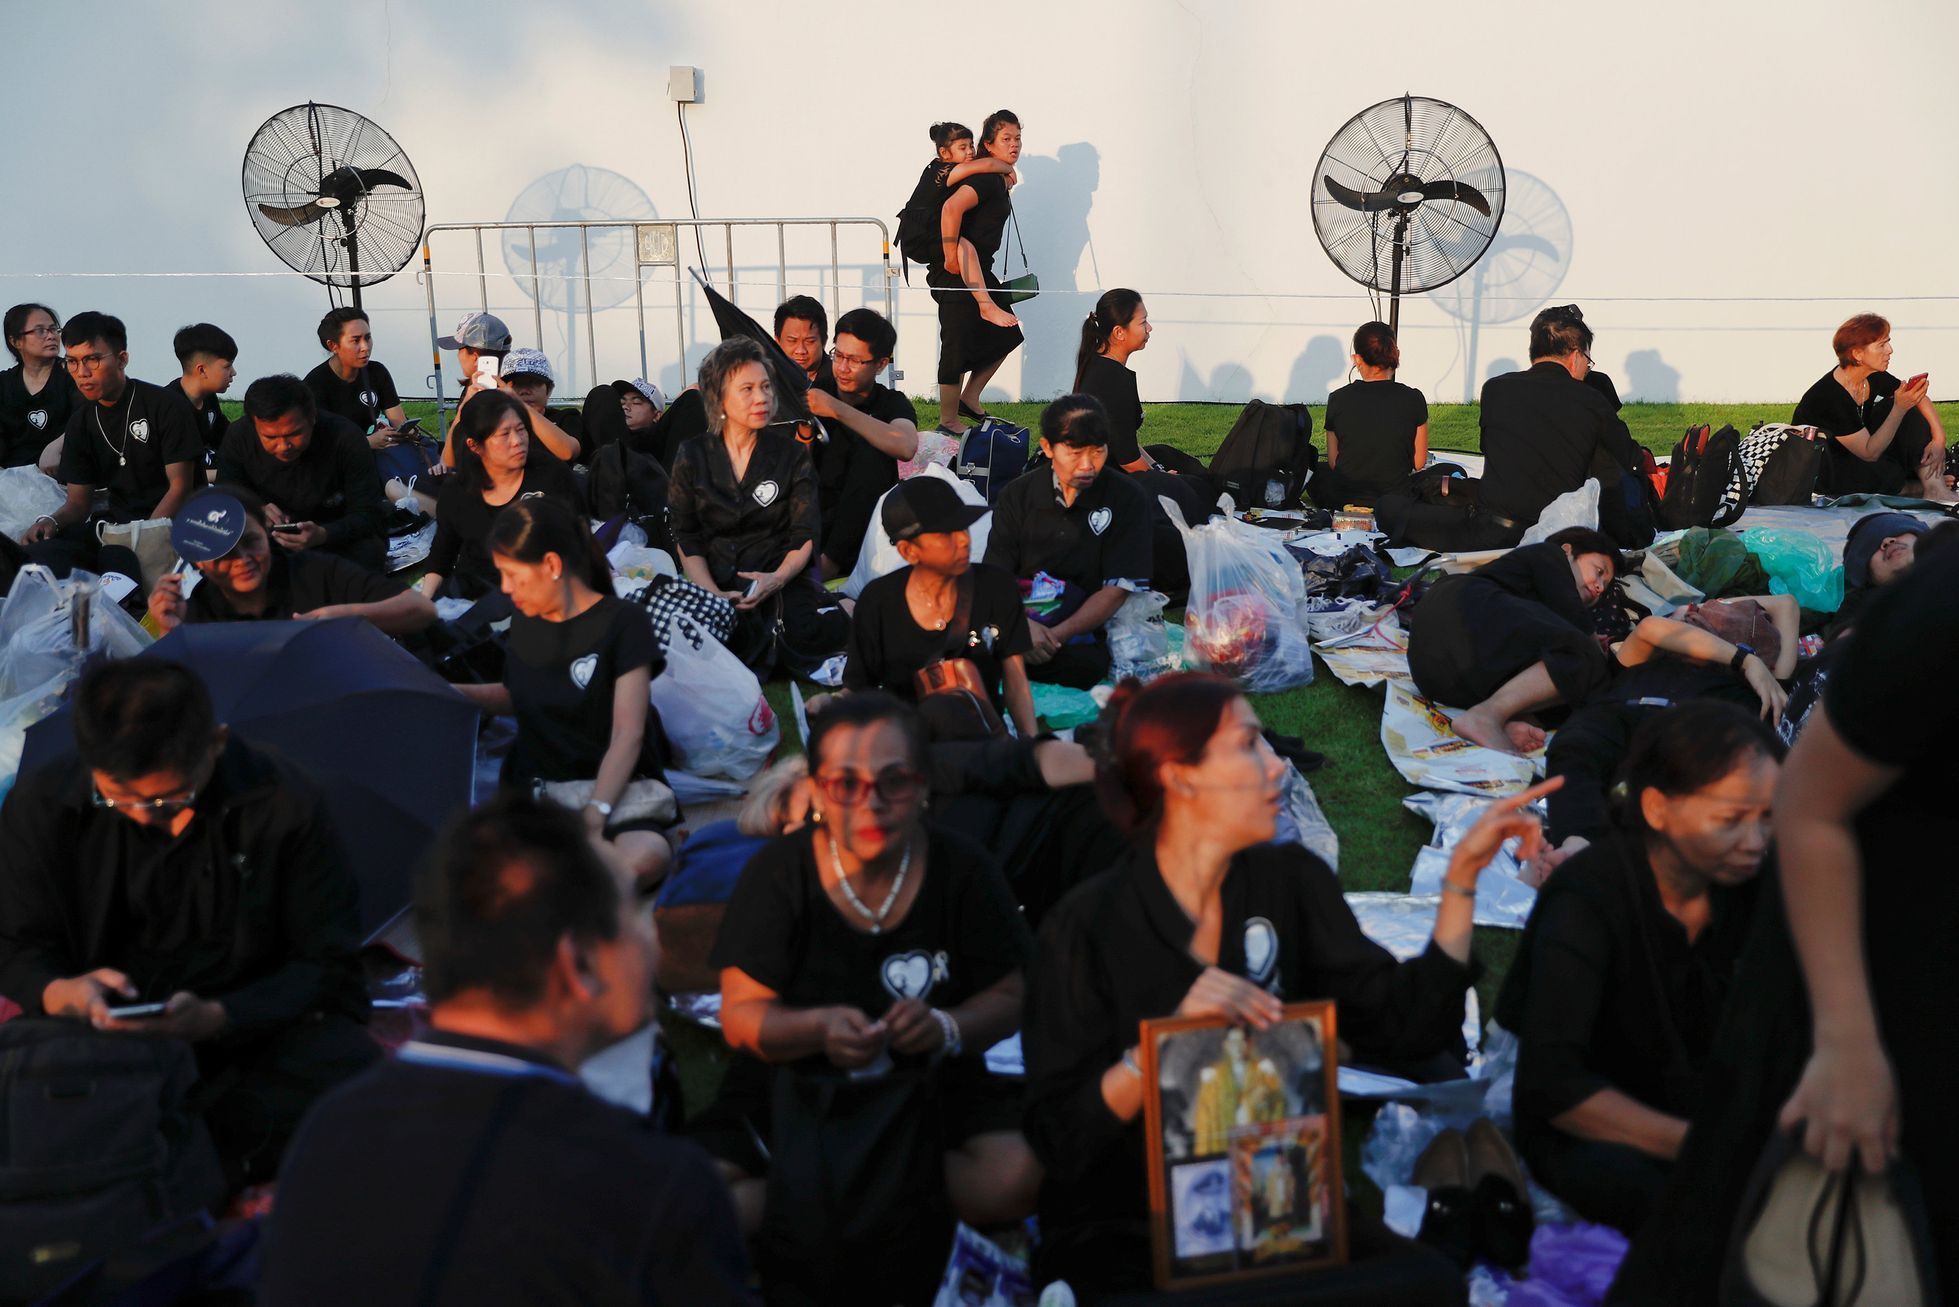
(1139, 641)
(16, 715)
(634, 565)
(877, 556)
(38, 639)
(27, 493)
(1247, 612)
(1573, 508)
(711, 706)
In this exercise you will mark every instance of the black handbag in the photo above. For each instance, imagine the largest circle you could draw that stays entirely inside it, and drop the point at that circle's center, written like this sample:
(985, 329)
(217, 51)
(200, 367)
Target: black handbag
(1028, 284)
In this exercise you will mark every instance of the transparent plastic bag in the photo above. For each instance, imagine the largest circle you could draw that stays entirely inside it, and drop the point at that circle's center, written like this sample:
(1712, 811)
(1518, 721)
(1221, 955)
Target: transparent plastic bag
(1573, 508)
(16, 715)
(1798, 564)
(40, 635)
(1246, 617)
(1139, 640)
(711, 706)
(25, 494)
(935, 449)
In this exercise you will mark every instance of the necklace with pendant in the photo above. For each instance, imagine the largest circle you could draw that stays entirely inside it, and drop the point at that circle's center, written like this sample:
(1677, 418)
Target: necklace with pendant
(122, 459)
(897, 886)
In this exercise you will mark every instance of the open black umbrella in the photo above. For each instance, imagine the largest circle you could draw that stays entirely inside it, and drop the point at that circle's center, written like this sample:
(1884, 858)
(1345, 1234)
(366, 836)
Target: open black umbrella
(391, 744)
(791, 382)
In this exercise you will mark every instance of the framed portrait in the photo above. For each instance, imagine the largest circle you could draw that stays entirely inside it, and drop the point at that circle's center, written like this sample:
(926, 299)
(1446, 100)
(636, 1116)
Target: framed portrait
(1243, 1129)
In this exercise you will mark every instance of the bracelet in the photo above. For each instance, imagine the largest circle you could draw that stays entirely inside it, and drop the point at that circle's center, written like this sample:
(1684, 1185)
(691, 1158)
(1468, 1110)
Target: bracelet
(949, 1028)
(49, 520)
(1450, 887)
(1130, 1064)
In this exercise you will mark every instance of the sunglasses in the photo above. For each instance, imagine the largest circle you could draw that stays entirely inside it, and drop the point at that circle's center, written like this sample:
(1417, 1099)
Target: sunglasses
(847, 788)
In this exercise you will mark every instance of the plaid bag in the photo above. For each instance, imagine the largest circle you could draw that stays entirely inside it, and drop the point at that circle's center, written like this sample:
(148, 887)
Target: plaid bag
(666, 595)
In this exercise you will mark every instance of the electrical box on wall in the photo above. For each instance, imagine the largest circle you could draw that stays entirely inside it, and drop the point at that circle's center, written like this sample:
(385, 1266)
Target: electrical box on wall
(684, 84)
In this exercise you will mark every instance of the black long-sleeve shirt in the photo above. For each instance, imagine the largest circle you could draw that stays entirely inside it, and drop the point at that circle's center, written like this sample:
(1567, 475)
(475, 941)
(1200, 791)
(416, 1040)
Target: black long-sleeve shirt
(333, 482)
(1544, 433)
(1116, 952)
(251, 905)
(745, 525)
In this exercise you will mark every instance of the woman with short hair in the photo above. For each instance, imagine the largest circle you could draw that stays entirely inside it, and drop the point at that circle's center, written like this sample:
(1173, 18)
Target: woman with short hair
(1886, 435)
(493, 441)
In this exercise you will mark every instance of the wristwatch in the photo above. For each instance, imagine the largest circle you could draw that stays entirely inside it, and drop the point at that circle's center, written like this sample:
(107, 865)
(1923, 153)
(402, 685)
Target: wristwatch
(605, 809)
(1741, 656)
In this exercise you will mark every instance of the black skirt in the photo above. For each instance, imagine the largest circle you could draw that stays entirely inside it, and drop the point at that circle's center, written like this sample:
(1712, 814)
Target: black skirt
(967, 342)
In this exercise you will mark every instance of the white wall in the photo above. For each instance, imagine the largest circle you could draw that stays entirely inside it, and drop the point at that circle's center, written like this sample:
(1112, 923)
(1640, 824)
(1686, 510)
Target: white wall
(1718, 184)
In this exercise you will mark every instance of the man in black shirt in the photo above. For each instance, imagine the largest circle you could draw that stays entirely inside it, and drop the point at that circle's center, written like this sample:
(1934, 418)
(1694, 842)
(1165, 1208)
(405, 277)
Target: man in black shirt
(871, 428)
(1083, 524)
(801, 327)
(208, 356)
(313, 470)
(474, 1168)
(137, 440)
(528, 375)
(349, 383)
(222, 532)
(170, 863)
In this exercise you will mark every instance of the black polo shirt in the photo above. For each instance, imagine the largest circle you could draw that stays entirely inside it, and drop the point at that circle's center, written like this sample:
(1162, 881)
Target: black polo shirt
(296, 583)
(749, 525)
(851, 473)
(1103, 538)
(1116, 952)
(29, 422)
(211, 424)
(333, 482)
(888, 647)
(127, 447)
(562, 677)
(1542, 431)
(363, 400)
(461, 550)
(469, 1171)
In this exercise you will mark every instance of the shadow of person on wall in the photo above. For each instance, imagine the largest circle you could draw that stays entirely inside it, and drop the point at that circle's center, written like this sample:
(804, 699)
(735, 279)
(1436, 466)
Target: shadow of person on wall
(1052, 204)
(1651, 379)
(1320, 367)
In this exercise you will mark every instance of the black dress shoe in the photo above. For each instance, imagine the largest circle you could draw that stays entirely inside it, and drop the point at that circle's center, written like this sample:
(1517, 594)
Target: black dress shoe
(1449, 1224)
(1503, 1217)
(968, 411)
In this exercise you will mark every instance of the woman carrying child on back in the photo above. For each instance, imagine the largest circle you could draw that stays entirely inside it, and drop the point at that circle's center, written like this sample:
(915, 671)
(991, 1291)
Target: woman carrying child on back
(952, 164)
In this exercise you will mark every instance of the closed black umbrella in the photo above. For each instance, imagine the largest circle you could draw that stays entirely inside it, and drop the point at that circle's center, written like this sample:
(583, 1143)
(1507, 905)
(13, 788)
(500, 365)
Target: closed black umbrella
(391, 744)
(791, 382)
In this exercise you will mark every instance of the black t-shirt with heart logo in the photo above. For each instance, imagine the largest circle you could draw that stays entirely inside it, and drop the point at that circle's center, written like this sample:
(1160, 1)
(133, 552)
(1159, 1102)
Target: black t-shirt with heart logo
(29, 422)
(127, 447)
(1103, 538)
(561, 677)
(962, 934)
(361, 400)
(745, 525)
(463, 518)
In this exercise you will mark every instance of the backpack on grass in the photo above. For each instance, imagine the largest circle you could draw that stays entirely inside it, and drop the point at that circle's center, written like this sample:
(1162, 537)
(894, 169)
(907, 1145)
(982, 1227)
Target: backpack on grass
(1267, 456)
(1706, 483)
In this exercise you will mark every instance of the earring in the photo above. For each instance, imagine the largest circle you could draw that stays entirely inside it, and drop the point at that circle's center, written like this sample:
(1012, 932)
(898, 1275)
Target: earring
(816, 816)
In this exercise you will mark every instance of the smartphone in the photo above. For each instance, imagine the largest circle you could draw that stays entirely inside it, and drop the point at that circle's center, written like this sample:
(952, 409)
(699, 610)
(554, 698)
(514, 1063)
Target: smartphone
(1918, 380)
(287, 528)
(412, 427)
(754, 588)
(137, 1011)
(486, 372)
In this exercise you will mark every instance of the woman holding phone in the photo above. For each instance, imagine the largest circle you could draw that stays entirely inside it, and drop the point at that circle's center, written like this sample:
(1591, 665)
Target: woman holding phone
(1886, 435)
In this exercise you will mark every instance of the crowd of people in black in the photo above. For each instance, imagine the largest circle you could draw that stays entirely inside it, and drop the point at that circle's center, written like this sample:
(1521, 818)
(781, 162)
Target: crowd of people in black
(947, 874)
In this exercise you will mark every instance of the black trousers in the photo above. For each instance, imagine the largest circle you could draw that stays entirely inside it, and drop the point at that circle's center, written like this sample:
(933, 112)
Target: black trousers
(1609, 1184)
(814, 628)
(255, 1091)
(1079, 665)
(369, 551)
(1587, 751)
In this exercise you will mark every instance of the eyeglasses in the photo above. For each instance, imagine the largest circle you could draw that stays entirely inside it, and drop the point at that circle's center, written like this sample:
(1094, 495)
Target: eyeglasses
(894, 785)
(166, 806)
(54, 330)
(839, 357)
(86, 362)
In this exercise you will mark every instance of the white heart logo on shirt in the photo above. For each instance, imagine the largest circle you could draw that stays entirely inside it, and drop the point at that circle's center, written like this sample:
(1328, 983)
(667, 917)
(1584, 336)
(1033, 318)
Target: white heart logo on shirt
(908, 975)
(582, 669)
(1099, 520)
(140, 429)
(1261, 949)
(766, 492)
(38, 419)
(367, 399)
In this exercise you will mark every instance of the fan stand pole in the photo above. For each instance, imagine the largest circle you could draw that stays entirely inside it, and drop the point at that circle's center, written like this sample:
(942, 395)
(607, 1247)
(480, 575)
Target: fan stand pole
(1394, 274)
(354, 263)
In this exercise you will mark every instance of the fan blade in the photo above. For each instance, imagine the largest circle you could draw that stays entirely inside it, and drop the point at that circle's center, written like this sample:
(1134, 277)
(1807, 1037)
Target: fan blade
(299, 217)
(1370, 202)
(372, 177)
(1461, 192)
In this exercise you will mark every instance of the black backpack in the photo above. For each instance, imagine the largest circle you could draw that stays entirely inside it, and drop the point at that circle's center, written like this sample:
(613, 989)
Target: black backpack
(918, 237)
(1628, 511)
(1267, 456)
(101, 1147)
(1706, 483)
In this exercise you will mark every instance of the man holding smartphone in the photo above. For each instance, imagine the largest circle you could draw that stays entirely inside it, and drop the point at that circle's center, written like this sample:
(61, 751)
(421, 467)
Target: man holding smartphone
(313, 470)
(171, 864)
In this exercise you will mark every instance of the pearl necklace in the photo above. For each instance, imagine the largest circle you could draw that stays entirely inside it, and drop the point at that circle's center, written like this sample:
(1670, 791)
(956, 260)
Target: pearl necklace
(897, 886)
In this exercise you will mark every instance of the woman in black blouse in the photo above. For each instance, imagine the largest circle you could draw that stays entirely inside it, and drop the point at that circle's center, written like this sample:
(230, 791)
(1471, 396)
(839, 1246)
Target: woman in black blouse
(972, 349)
(871, 960)
(1208, 919)
(576, 675)
(498, 462)
(1616, 992)
(1888, 437)
(1376, 428)
(36, 394)
(742, 505)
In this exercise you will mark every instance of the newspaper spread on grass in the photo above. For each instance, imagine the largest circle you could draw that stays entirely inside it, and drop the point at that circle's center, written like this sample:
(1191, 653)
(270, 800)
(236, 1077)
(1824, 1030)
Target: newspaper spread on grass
(1428, 753)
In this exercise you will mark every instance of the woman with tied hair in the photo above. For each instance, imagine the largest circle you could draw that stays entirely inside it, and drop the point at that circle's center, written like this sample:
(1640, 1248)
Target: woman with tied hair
(1887, 437)
(1208, 918)
(1376, 427)
(972, 343)
(742, 505)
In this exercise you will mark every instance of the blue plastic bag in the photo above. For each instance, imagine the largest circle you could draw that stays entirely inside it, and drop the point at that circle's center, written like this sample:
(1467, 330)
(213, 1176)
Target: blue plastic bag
(1798, 564)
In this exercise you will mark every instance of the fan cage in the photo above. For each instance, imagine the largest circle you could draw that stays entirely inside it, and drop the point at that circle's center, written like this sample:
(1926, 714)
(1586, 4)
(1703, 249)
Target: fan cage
(284, 170)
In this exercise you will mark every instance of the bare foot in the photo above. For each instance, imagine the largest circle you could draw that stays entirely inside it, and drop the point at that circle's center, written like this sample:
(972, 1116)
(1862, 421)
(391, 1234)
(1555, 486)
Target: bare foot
(1482, 727)
(996, 315)
(1527, 738)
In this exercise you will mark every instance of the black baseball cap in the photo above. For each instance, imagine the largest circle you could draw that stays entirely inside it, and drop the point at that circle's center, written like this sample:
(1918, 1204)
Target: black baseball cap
(927, 505)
